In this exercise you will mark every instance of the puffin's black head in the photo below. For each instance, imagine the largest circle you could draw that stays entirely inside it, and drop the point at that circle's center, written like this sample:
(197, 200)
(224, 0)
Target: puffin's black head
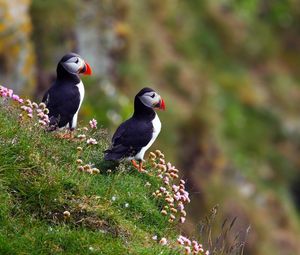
(72, 63)
(149, 98)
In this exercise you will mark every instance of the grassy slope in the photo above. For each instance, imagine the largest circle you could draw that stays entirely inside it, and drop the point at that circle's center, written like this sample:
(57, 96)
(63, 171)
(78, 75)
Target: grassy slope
(39, 181)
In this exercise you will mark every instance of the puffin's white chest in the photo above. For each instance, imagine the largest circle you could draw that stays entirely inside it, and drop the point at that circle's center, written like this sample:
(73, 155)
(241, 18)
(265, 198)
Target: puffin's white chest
(81, 92)
(156, 130)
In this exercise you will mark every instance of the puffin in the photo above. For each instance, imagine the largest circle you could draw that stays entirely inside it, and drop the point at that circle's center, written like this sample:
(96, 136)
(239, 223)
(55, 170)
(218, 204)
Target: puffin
(65, 96)
(135, 136)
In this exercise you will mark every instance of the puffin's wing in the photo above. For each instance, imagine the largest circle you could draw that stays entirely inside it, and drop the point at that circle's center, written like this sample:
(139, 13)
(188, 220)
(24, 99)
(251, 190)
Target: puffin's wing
(46, 98)
(62, 103)
(129, 139)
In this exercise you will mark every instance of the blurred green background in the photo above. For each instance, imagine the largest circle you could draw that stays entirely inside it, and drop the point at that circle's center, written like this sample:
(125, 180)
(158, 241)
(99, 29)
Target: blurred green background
(228, 71)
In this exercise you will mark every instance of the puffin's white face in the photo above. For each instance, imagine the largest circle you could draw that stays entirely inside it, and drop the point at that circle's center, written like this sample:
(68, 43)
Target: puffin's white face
(152, 100)
(74, 65)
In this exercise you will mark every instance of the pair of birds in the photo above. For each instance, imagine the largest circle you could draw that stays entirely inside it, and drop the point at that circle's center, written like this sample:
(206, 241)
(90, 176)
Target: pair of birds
(131, 139)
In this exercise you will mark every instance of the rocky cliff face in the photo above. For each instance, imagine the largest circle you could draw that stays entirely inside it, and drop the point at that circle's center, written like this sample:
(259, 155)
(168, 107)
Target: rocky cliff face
(95, 36)
(17, 61)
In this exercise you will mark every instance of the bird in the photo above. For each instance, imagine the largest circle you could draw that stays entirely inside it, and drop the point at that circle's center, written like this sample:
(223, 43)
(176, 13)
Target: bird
(65, 96)
(135, 135)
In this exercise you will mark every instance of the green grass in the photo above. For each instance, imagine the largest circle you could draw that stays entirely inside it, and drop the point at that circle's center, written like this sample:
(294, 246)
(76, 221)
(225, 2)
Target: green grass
(39, 180)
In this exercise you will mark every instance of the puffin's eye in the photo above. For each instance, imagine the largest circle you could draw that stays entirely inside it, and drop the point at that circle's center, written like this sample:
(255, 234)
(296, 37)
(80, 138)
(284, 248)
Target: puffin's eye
(77, 60)
(153, 95)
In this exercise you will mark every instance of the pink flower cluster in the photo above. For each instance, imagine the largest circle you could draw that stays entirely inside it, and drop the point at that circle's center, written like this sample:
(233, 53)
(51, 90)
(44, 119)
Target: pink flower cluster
(83, 137)
(8, 93)
(183, 244)
(28, 108)
(42, 114)
(191, 247)
(175, 195)
(93, 123)
(91, 141)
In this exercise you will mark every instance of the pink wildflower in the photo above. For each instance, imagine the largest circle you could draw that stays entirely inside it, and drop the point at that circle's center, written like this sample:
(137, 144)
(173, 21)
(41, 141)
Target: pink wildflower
(163, 241)
(162, 189)
(46, 118)
(187, 250)
(43, 123)
(187, 241)
(40, 115)
(180, 207)
(15, 97)
(10, 92)
(166, 180)
(175, 188)
(81, 136)
(93, 123)
(91, 141)
(180, 241)
(177, 197)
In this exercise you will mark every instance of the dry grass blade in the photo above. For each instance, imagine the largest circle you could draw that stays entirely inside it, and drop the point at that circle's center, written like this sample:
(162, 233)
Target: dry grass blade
(227, 241)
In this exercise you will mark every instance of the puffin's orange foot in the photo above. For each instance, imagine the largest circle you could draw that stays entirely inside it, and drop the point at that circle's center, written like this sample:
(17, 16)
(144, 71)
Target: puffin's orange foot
(135, 164)
(139, 166)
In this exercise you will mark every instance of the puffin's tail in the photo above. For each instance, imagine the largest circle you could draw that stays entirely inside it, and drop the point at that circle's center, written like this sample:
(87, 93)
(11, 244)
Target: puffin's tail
(113, 154)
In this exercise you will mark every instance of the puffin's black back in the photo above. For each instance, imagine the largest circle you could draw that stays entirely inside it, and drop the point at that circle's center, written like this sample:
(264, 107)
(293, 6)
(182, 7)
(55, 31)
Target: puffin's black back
(63, 98)
(133, 134)
(129, 139)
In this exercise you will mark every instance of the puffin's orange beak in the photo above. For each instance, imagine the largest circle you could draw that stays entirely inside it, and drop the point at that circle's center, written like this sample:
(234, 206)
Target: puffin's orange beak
(87, 70)
(162, 105)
